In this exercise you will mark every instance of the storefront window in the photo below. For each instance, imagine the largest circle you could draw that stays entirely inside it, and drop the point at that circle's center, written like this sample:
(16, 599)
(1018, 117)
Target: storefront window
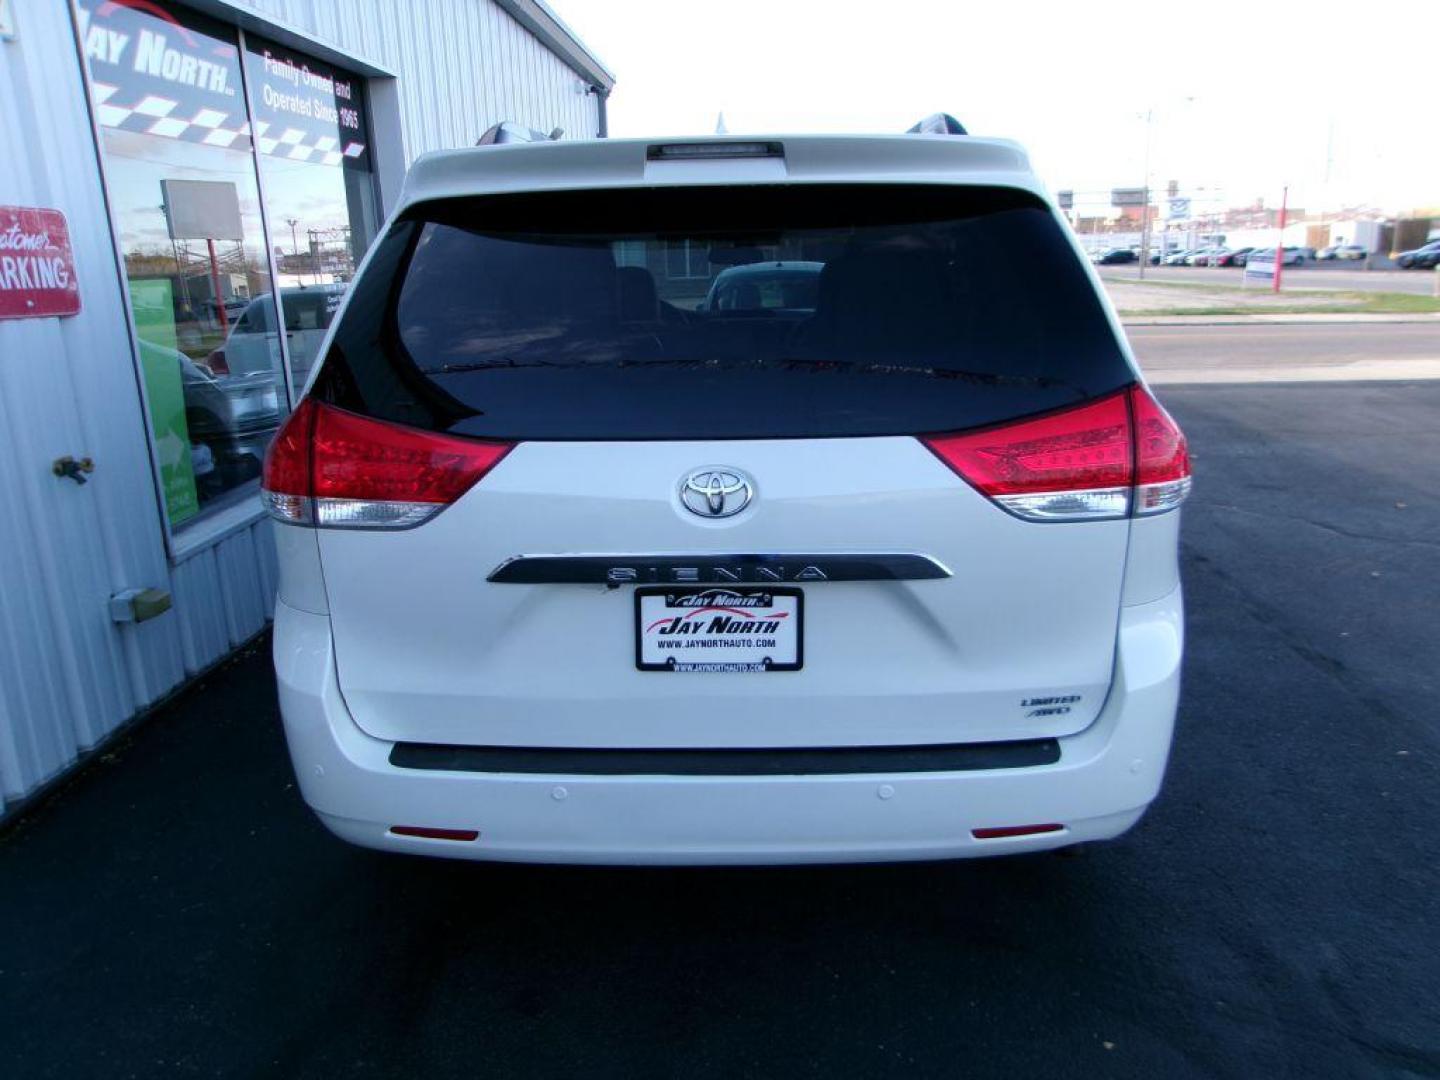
(169, 98)
(310, 130)
(180, 158)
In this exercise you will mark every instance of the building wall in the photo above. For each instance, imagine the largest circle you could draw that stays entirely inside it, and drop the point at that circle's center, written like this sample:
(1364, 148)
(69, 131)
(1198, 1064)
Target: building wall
(69, 675)
(463, 65)
(67, 386)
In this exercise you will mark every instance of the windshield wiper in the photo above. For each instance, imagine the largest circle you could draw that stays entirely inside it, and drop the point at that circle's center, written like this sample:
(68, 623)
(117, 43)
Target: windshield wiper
(875, 367)
(793, 363)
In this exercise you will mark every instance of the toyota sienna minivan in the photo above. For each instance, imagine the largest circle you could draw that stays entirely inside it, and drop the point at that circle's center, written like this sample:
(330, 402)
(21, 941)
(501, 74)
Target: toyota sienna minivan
(576, 567)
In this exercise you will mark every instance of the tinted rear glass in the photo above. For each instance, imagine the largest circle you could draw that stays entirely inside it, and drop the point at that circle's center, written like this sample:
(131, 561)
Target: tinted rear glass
(723, 312)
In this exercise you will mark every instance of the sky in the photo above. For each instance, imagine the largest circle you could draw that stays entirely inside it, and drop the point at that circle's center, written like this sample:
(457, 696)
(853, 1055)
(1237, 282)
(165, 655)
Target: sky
(1338, 101)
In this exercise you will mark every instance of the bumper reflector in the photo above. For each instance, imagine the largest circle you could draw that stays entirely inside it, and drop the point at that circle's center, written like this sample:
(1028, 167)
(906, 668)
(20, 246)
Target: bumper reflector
(1013, 830)
(435, 834)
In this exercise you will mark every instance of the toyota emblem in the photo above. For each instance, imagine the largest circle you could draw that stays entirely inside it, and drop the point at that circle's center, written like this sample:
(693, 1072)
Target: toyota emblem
(716, 493)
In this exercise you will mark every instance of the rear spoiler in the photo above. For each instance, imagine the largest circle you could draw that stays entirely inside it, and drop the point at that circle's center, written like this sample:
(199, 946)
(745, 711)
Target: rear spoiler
(938, 124)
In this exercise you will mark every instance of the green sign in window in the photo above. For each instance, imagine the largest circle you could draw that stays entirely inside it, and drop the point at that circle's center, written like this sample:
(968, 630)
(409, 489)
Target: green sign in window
(153, 303)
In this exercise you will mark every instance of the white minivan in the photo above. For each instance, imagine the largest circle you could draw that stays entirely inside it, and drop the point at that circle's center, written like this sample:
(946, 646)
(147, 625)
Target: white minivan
(578, 567)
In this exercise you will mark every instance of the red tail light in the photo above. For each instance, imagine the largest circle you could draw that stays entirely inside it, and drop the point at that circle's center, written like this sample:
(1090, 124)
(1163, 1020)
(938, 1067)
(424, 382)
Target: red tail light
(333, 468)
(1078, 464)
(1162, 460)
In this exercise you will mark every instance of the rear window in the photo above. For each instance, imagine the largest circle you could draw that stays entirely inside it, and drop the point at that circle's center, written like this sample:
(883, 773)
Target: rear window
(722, 312)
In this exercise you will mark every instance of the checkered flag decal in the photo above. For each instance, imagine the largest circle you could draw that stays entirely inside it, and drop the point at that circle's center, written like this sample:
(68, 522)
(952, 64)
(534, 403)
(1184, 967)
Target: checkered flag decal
(156, 115)
(292, 143)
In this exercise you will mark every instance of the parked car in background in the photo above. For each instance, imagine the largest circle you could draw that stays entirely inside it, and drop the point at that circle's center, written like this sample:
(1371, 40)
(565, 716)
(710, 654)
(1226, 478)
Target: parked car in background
(1115, 257)
(545, 592)
(1206, 257)
(1179, 258)
(1425, 257)
(1290, 256)
(1341, 251)
(1234, 257)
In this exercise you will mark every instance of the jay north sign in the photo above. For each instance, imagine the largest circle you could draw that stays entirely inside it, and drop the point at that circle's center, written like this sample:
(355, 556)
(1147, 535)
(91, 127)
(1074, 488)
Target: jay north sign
(157, 70)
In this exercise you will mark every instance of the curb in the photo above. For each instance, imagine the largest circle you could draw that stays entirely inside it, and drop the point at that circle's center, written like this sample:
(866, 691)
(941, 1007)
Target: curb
(1317, 319)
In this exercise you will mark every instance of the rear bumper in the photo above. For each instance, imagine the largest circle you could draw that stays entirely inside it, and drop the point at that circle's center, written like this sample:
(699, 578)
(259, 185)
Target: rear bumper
(1106, 776)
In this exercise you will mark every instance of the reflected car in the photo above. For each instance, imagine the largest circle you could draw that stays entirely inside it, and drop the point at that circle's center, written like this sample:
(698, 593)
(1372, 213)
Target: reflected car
(253, 346)
(787, 285)
(229, 419)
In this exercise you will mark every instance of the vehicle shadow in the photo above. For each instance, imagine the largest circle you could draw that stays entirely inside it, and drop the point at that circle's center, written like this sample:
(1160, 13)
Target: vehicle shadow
(827, 967)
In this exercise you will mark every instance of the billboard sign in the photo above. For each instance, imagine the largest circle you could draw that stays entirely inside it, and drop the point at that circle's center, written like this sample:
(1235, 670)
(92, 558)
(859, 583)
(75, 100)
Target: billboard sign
(37, 270)
(1177, 209)
(202, 210)
(1066, 199)
(1121, 196)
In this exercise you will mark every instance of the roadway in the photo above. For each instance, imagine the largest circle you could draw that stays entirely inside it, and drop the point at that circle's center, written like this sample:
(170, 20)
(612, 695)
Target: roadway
(1326, 276)
(1320, 351)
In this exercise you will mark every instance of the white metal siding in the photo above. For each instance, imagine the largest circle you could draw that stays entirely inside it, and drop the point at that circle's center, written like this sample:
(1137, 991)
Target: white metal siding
(463, 65)
(68, 675)
(67, 386)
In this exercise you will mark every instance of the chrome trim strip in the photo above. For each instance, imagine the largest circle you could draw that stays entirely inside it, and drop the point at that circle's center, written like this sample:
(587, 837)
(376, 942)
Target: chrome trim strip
(712, 568)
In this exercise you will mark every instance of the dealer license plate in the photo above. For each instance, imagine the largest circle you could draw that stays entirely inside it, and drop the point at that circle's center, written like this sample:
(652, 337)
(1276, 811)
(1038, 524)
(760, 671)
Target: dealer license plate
(718, 629)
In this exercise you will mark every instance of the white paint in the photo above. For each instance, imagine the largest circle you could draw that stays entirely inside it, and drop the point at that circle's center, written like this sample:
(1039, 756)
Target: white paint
(1094, 791)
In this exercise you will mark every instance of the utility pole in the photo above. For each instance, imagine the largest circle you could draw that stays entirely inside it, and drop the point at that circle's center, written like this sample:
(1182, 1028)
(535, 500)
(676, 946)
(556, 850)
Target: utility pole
(294, 239)
(1145, 210)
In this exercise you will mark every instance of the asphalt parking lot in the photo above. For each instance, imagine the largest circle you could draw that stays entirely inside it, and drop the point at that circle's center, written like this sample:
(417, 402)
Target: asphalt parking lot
(176, 910)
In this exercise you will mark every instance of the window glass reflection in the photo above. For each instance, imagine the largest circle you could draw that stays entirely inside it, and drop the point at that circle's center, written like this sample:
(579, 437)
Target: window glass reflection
(167, 92)
(310, 131)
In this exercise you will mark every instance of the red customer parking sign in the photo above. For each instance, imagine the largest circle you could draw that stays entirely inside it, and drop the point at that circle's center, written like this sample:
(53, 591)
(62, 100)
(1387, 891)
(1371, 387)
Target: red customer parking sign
(37, 271)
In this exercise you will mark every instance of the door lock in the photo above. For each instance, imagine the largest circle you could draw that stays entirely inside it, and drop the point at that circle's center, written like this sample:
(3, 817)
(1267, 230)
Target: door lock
(75, 470)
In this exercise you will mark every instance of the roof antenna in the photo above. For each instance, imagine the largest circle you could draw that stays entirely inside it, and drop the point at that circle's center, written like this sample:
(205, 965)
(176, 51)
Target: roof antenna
(938, 124)
(507, 131)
